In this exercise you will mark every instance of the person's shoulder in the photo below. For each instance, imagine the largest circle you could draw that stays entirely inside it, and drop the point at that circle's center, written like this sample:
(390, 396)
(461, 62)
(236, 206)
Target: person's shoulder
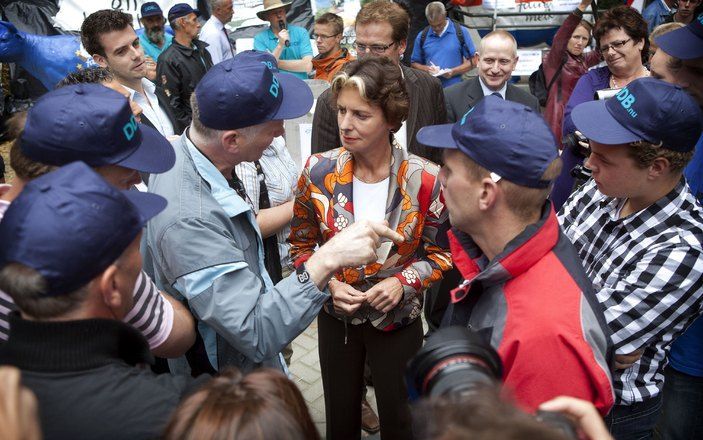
(424, 164)
(426, 81)
(459, 89)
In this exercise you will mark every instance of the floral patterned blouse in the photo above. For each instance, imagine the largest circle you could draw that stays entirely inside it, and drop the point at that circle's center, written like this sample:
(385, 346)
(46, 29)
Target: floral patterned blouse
(414, 208)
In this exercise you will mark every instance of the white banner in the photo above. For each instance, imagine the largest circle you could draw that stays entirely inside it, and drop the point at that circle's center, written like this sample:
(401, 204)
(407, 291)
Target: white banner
(545, 6)
(72, 12)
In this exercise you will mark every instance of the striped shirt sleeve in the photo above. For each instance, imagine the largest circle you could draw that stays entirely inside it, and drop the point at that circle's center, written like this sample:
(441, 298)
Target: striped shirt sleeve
(151, 313)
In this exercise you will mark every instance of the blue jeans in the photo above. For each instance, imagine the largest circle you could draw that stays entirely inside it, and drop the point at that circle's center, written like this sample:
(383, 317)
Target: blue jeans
(634, 422)
(682, 411)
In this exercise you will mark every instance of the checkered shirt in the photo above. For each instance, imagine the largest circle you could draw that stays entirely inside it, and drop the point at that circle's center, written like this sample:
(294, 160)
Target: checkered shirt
(646, 269)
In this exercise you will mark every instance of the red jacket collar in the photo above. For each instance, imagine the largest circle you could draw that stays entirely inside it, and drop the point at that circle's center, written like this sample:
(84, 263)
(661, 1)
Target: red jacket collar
(520, 254)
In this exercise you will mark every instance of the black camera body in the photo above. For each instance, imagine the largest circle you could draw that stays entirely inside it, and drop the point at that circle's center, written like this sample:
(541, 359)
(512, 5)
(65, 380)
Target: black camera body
(456, 362)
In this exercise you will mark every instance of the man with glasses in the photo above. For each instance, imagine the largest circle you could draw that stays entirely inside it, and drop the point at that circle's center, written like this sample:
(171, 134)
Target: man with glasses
(328, 36)
(290, 45)
(496, 59)
(184, 63)
(382, 30)
(443, 45)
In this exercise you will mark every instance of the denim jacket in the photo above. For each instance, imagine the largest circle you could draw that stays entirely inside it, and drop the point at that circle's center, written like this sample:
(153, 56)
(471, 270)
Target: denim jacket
(206, 249)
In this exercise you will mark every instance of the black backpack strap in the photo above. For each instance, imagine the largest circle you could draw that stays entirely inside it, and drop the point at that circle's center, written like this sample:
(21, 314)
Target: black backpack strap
(272, 258)
(460, 36)
(423, 37)
(557, 74)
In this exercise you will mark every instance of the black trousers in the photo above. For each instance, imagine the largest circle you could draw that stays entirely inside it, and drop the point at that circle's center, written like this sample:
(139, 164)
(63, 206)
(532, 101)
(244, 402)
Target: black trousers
(342, 366)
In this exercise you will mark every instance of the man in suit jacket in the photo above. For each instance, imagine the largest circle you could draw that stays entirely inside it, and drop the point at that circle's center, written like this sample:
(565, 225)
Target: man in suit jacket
(109, 37)
(382, 30)
(496, 60)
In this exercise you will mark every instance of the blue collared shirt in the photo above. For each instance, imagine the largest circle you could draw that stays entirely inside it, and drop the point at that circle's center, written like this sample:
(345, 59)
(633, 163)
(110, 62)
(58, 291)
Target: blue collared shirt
(443, 50)
(153, 50)
(299, 46)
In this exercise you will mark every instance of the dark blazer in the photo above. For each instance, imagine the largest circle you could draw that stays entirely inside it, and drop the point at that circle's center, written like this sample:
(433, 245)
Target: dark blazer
(464, 95)
(166, 107)
(426, 108)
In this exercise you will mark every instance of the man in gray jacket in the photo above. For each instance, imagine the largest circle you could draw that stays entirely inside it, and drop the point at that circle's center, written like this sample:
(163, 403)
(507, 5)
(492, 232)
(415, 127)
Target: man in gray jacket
(206, 247)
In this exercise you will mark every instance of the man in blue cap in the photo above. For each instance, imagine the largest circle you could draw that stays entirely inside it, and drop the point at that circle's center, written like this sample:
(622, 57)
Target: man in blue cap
(639, 232)
(207, 248)
(525, 289)
(679, 61)
(93, 124)
(70, 260)
(181, 66)
(154, 40)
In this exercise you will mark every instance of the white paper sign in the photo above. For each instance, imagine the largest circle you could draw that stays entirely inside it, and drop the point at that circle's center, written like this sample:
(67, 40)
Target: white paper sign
(528, 62)
(72, 12)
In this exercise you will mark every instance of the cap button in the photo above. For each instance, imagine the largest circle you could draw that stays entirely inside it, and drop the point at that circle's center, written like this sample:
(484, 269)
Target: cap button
(79, 90)
(44, 187)
(228, 68)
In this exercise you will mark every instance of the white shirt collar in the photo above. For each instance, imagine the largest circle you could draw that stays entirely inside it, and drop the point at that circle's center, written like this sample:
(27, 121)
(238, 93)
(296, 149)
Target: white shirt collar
(487, 91)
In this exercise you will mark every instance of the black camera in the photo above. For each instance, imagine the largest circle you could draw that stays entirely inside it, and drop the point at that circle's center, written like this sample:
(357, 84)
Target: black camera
(454, 360)
(458, 363)
(578, 144)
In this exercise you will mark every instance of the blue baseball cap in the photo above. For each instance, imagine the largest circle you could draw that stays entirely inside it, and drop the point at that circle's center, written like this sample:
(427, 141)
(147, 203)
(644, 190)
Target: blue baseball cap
(685, 43)
(504, 137)
(181, 10)
(150, 9)
(647, 109)
(93, 124)
(248, 90)
(70, 225)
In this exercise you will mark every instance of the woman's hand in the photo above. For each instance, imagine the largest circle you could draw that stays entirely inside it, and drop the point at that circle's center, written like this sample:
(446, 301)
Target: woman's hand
(385, 294)
(345, 298)
(584, 5)
(583, 413)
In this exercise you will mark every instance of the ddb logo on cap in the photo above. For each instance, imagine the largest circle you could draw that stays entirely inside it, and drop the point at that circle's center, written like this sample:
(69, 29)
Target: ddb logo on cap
(626, 100)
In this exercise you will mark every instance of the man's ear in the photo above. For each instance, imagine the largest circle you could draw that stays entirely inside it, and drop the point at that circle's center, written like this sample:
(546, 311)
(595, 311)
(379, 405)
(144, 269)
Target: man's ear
(107, 285)
(659, 167)
(489, 194)
(231, 140)
(100, 60)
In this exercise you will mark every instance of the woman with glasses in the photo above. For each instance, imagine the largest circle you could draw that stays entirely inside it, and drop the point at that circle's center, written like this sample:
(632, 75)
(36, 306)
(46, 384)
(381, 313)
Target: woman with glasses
(565, 63)
(621, 39)
(374, 310)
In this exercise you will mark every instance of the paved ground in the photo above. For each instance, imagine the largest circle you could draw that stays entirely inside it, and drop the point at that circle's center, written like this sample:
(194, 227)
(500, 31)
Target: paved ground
(305, 367)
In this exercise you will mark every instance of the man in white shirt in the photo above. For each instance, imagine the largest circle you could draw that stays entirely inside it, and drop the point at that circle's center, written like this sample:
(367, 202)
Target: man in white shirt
(109, 37)
(214, 32)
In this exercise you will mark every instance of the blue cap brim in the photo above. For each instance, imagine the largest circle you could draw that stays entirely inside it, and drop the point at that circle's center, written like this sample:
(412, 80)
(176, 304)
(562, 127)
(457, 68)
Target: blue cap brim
(147, 204)
(154, 155)
(437, 136)
(594, 121)
(681, 43)
(297, 97)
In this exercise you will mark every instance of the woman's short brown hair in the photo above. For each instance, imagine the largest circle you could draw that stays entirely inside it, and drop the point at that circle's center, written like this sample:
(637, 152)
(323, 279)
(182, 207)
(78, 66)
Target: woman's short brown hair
(233, 406)
(24, 167)
(380, 83)
(629, 20)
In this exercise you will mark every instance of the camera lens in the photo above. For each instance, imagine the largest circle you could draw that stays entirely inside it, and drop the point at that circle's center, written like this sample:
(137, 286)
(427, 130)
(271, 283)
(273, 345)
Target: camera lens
(454, 361)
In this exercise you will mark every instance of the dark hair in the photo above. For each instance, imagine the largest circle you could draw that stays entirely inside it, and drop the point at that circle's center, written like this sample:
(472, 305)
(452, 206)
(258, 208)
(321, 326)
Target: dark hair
(29, 289)
(379, 82)
(383, 11)
(629, 20)
(482, 416)
(24, 167)
(91, 75)
(102, 22)
(233, 406)
(332, 19)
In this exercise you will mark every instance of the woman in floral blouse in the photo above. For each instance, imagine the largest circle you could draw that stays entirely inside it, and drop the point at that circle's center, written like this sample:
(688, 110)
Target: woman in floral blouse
(373, 312)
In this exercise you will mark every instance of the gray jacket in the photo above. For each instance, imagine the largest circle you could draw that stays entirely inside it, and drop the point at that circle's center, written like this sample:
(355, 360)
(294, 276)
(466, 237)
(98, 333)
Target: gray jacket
(206, 248)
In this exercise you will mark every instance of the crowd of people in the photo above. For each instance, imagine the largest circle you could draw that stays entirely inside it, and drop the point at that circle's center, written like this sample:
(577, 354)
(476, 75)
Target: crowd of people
(160, 249)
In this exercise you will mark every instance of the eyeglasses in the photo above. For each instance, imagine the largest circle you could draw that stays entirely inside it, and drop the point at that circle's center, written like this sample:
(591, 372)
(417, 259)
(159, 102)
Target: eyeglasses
(614, 45)
(377, 49)
(323, 37)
